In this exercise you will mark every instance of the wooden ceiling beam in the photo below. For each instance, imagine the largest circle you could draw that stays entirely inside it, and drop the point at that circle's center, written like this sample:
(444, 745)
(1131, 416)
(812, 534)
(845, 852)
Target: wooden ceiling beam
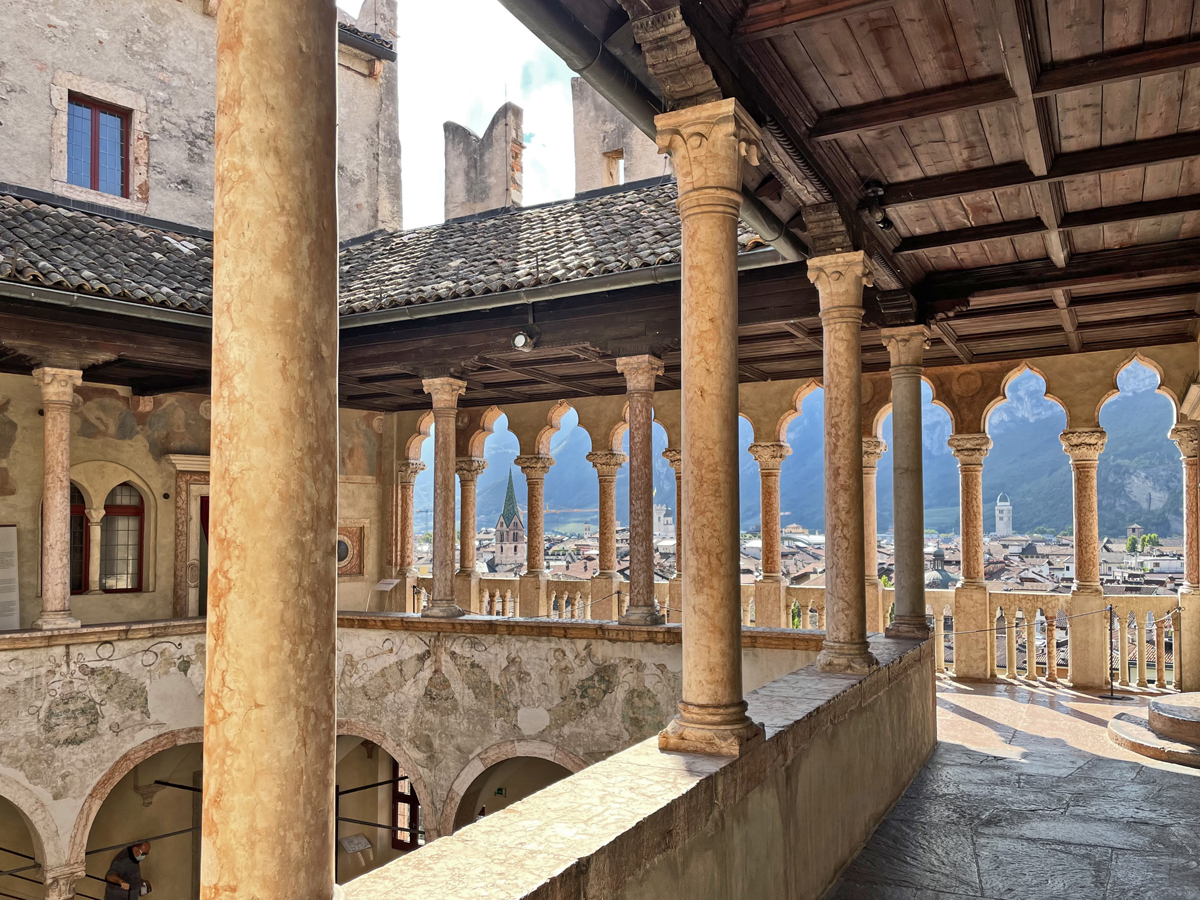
(950, 339)
(1136, 154)
(1104, 215)
(1120, 66)
(768, 18)
(1062, 300)
(897, 111)
(536, 374)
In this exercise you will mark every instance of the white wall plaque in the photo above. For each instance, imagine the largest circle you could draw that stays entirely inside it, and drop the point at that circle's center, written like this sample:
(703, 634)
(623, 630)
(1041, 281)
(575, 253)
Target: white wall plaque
(10, 597)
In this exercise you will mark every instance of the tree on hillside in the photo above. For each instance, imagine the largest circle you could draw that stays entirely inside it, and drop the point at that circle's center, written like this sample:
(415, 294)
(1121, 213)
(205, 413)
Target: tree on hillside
(1131, 544)
(1150, 540)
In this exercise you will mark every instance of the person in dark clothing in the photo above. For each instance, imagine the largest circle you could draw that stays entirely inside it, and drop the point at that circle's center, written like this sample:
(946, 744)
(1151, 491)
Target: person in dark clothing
(124, 876)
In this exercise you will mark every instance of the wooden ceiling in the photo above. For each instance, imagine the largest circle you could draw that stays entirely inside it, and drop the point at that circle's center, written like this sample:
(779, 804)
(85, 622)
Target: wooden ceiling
(1038, 161)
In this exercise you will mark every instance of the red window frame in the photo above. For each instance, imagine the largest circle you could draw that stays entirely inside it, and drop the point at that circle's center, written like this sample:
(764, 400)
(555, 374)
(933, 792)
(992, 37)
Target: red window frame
(412, 804)
(77, 509)
(97, 106)
(140, 512)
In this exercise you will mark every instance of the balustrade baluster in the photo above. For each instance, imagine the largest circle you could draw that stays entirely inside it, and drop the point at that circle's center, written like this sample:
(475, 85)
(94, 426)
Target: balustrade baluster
(939, 645)
(1123, 648)
(1160, 653)
(1031, 672)
(1010, 644)
(1141, 652)
(1052, 645)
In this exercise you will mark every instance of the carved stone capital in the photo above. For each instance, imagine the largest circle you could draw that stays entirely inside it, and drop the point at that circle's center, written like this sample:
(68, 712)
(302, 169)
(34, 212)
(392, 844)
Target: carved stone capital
(470, 467)
(674, 457)
(770, 455)
(707, 144)
(1187, 439)
(60, 881)
(408, 469)
(94, 515)
(445, 391)
(840, 279)
(1083, 446)
(640, 371)
(534, 466)
(607, 462)
(906, 346)
(873, 450)
(673, 58)
(970, 449)
(58, 385)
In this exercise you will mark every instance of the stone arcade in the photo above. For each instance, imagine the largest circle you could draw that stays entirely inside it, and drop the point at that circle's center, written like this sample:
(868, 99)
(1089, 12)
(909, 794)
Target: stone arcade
(844, 209)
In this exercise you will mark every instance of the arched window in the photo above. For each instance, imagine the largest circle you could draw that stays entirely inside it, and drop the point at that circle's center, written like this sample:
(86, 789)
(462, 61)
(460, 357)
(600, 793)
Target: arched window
(79, 543)
(121, 533)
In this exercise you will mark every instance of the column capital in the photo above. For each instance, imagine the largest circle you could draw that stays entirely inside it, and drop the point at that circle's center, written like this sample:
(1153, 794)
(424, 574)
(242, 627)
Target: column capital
(534, 466)
(707, 143)
(444, 390)
(58, 385)
(840, 279)
(607, 462)
(1084, 446)
(770, 455)
(1186, 436)
(970, 449)
(94, 515)
(60, 881)
(674, 458)
(873, 450)
(470, 467)
(906, 344)
(408, 469)
(640, 371)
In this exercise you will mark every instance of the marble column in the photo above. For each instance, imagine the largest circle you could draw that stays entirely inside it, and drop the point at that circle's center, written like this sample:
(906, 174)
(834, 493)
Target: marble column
(94, 518)
(873, 450)
(445, 392)
(1087, 635)
(607, 583)
(675, 611)
(466, 579)
(640, 372)
(770, 591)
(706, 144)
(1187, 438)
(270, 721)
(58, 394)
(973, 651)
(535, 596)
(400, 598)
(906, 347)
(840, 279)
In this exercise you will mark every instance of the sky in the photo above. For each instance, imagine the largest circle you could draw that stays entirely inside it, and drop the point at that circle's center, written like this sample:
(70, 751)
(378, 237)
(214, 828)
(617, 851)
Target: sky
(464, 77)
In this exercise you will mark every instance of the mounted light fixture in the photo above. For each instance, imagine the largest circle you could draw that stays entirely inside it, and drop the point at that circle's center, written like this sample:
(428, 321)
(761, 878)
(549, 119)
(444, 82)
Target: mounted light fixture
(874, 192)
(523, 341)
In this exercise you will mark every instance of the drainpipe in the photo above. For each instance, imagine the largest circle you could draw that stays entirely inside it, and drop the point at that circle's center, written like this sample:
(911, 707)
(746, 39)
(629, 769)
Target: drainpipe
(585, 54)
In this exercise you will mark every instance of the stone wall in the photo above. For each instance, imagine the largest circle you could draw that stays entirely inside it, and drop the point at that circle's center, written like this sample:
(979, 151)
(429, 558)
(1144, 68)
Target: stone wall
(157, 57)
(602, 137)
(484, 172)
(83, 712)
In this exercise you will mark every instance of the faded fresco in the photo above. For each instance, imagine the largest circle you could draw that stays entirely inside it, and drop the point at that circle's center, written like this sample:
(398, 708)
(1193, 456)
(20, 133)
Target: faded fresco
(176, 423)
(8, 437)
(359, 443)
(446, 697)
(70, 712)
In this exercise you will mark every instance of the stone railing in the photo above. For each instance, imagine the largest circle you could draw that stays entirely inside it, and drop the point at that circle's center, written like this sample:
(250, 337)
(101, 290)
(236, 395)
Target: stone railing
(808, 606)
(1145, 627)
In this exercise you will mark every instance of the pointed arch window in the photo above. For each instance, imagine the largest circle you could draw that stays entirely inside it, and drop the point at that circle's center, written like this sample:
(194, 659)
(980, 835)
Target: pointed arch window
(80, 545)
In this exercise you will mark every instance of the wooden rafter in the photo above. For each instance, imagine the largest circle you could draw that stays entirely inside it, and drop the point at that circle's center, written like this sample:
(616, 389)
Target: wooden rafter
(768, 18)
(1070, 323)
(536, 374)
(946, 333)
(803, 336)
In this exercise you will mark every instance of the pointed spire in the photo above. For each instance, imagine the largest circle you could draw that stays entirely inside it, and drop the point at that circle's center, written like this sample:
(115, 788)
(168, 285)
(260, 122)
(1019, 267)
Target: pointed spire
(511, 512)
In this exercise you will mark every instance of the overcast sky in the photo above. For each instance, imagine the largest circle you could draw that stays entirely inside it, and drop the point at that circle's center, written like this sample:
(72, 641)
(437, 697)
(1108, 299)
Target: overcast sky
(458, 60)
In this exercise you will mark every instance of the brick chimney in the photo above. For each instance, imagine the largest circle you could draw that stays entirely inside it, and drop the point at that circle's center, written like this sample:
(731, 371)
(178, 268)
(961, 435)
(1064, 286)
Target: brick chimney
(484, 173)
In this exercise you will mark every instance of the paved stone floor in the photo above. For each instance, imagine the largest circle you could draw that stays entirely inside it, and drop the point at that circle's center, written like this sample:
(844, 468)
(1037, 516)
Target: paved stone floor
(1025, 797)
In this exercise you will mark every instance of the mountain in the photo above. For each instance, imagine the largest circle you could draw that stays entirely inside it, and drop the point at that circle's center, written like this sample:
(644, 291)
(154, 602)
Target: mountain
(1139, 476)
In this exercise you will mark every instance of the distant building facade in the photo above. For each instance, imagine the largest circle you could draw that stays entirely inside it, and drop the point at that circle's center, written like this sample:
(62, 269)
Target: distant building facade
(664, 525)
(510, 533)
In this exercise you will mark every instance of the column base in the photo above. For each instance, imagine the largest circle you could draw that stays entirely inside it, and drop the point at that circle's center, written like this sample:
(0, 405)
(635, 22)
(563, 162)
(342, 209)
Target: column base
(909, 628)
(853, 658)
(534, 601)
(466, 592)
(56, 621)
(711, 730)
(641, 615)
(603, 604)
(443, 609)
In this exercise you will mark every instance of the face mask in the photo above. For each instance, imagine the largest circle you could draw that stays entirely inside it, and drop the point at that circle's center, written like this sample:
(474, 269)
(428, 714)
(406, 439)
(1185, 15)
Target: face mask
(139, 856)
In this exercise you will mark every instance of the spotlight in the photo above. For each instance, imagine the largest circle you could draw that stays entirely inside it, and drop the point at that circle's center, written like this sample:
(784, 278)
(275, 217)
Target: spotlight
(523, 341)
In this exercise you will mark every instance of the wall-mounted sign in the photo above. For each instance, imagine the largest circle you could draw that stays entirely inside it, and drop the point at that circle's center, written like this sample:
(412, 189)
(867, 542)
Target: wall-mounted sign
(10, 597)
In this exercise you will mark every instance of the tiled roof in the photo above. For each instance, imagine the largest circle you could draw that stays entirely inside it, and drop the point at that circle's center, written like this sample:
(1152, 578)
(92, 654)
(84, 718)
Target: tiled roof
(518, 248)
(128, 258)
(70, 250)
(366, 35)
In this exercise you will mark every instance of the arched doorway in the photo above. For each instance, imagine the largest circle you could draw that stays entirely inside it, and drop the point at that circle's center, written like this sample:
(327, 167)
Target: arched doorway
(20, 856)
(503, 784)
